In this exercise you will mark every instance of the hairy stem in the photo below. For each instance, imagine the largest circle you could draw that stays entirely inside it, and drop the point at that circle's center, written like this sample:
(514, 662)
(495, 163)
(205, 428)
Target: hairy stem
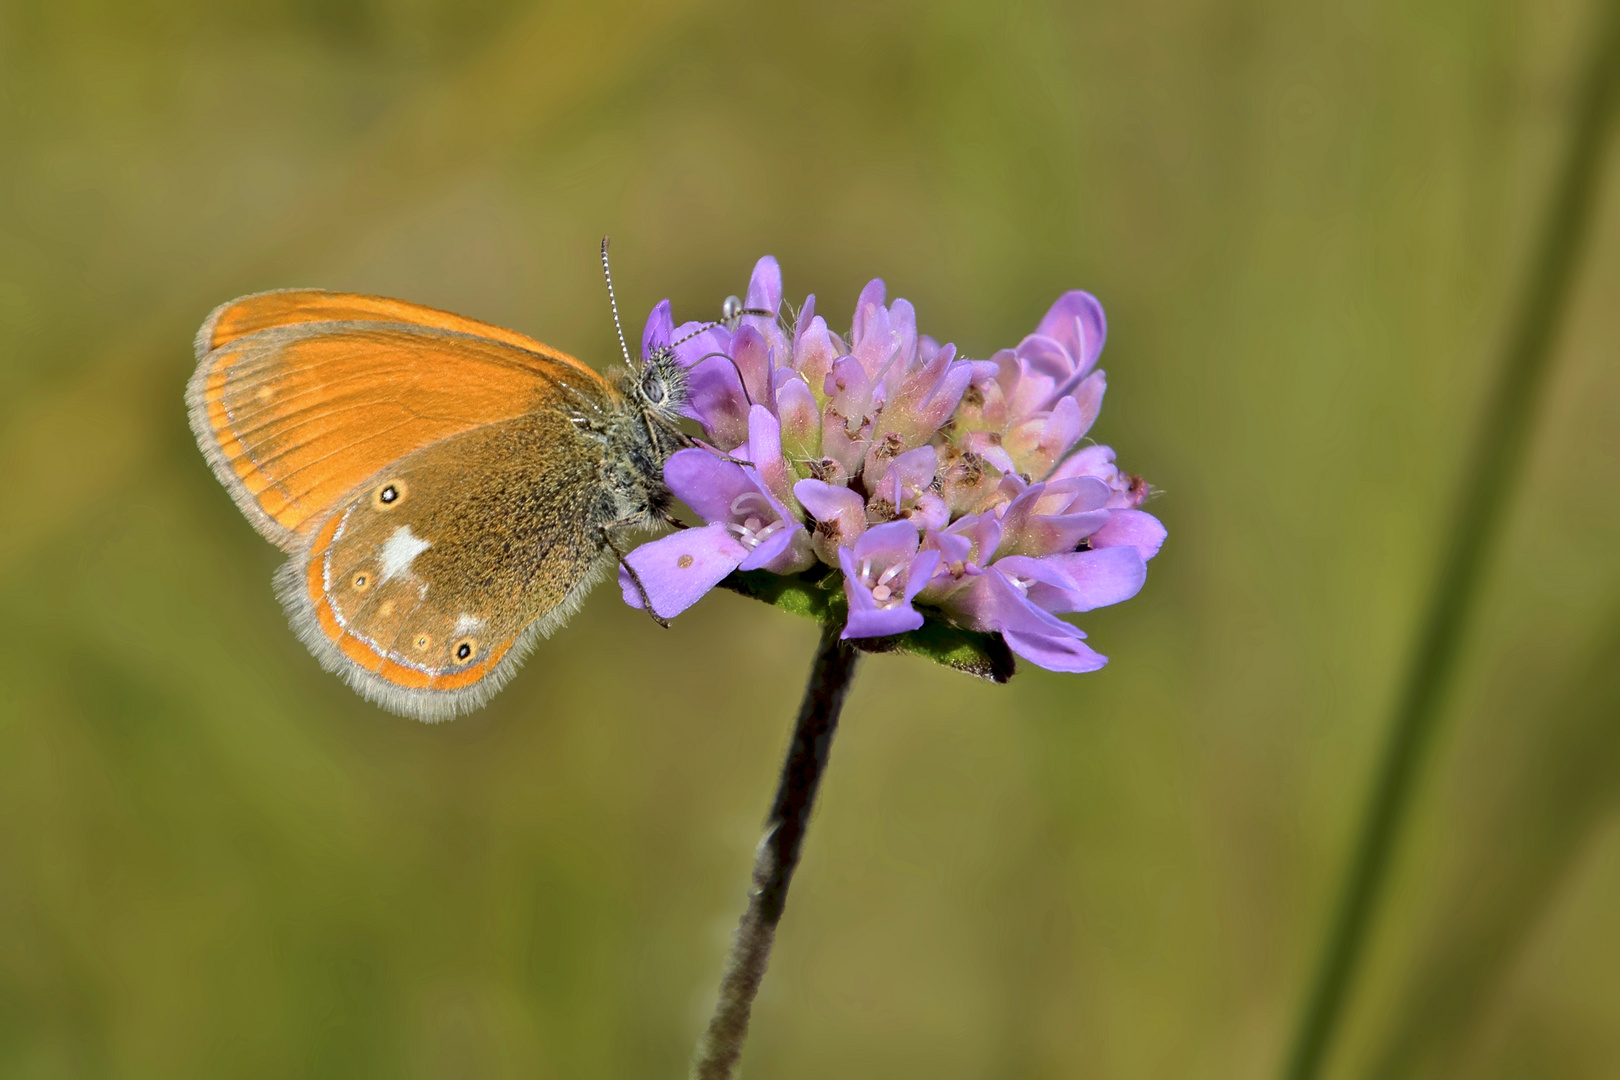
(830, 675)
(1493, 466)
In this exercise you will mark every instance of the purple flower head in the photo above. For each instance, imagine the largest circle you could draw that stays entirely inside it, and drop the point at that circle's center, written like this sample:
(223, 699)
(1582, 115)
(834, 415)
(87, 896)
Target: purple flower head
(911, 475)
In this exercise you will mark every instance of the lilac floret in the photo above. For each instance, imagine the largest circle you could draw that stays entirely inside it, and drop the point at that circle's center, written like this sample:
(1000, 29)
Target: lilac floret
(882, 573)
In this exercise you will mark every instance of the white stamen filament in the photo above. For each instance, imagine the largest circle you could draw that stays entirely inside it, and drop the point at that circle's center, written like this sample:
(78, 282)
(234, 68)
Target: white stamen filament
(750, 533)
(881, 592)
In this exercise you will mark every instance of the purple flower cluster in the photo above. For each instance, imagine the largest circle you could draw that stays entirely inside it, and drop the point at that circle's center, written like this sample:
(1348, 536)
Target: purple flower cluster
(926, 479)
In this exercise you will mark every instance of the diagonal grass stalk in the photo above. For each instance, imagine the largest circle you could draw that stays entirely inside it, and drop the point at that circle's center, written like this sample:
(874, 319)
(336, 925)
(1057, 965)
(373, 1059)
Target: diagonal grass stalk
(1487, 486)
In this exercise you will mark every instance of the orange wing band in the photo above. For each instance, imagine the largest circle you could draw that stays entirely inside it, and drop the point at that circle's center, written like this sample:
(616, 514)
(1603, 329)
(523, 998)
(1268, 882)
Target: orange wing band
(363, 653)
(292, 307)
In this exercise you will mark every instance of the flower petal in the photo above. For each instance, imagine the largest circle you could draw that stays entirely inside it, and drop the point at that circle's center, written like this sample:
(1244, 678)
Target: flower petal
(753, 356)
(1077, 323)
(828, 502)
(1047, 356)
(765, 451)
(771, 547)
(922, 568)
(1095, 460)
(765, 286)
(868, 620)
(1080, 580)
(705, 483)
(698, 341)
(1042, 639)
(715, 399)
(1136, 528)
(889, 542)
(801, 420)
(679, 568)
(869, 303)
(1054, 652)
(807, 311)
(659, 331)
(814, 353)
(840, 512)
(796, 555)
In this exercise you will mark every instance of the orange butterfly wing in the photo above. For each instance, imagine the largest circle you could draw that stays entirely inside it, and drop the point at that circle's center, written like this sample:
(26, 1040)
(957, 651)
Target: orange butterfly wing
(300, 394)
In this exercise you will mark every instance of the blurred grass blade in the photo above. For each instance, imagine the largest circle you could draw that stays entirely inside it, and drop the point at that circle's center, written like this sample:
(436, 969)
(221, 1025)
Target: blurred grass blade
(1491, 471)
(1549, 813)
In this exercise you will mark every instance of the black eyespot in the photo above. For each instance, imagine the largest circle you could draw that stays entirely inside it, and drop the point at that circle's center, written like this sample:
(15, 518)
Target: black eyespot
(361, 581)
(423, 642)
(389, 495)
(464, 649)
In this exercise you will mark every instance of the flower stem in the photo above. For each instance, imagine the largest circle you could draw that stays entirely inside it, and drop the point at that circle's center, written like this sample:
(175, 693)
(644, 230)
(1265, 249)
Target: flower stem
(778, 853)
(1494, 465)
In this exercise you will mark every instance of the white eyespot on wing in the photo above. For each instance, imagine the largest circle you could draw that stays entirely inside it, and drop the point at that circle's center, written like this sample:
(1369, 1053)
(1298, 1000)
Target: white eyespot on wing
(399, 551)
(468, 624)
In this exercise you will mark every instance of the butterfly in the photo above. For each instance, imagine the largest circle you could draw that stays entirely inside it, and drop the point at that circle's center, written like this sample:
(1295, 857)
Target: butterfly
(448, 491)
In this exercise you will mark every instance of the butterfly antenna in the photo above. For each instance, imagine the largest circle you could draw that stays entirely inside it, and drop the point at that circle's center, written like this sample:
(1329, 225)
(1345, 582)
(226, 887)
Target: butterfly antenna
(705, 328)
(608, 273)
(731, 310)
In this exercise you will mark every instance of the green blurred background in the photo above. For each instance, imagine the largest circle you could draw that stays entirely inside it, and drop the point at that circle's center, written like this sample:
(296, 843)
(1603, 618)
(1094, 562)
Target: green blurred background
(1310, 225)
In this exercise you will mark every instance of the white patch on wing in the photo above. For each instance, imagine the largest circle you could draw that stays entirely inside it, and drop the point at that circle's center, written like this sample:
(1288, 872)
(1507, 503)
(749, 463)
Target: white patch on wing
(399, 551)
(468, 624)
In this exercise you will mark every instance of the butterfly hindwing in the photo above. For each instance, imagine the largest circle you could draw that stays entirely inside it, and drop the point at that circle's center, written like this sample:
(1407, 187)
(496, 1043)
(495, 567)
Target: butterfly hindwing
(428, 582)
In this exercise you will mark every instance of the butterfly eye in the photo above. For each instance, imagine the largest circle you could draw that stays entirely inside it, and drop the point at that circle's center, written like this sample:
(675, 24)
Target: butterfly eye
(389, 495)
(464, 649)
(423, 642)
(652, 388)
(361, 581)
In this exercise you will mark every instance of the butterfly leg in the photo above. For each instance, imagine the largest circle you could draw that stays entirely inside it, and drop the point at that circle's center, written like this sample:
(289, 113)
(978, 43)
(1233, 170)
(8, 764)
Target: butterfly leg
(607, 538)
(669, 519)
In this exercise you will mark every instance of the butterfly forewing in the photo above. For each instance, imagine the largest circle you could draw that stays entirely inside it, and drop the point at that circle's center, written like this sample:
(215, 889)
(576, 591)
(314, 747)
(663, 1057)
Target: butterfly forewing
(293, 417)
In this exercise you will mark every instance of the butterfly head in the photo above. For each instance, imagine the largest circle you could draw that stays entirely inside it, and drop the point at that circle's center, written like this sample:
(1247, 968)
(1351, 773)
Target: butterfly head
(661, 385)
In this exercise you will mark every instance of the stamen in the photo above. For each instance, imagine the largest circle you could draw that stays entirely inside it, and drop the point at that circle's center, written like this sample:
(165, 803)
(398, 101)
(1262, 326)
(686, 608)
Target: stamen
(881, 593)
(889, 574)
